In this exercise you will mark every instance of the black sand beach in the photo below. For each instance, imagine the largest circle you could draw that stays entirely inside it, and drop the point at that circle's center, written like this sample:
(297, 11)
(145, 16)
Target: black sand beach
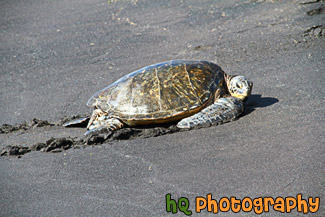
(57, 54)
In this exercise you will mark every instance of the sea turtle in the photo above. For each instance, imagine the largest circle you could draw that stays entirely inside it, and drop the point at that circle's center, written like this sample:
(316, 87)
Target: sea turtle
(192, 93)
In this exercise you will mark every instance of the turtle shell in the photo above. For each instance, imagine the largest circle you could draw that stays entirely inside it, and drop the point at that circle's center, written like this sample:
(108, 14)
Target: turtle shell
(163, 92)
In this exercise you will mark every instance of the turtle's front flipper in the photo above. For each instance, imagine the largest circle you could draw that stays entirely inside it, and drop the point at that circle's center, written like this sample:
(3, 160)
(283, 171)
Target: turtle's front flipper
(222, 111)
(104, 122)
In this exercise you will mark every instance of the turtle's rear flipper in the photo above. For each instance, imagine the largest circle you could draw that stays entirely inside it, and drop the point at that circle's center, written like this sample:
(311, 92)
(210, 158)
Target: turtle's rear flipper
(104, 123)
(222, 111)
(81, 122)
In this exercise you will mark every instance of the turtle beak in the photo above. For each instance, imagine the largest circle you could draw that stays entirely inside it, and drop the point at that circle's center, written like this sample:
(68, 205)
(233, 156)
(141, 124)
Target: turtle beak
(244, 92)
(250, 84)
(243, 98)
(247, 90)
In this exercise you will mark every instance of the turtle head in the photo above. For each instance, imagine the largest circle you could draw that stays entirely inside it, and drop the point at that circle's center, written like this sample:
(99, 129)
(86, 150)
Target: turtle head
(240, 87)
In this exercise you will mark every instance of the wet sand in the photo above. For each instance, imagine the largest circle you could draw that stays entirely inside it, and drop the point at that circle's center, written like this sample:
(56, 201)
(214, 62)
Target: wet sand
(56, 54)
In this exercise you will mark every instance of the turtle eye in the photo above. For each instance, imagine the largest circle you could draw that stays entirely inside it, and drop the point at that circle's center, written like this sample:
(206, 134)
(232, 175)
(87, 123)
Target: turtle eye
(237, 85)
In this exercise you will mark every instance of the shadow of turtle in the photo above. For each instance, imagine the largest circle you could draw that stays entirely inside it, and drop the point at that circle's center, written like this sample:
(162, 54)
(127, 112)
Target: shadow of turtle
(257, 101)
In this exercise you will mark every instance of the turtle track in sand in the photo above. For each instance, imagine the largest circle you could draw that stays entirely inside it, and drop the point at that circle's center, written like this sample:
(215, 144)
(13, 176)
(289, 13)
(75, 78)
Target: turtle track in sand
(60, 144)
(63, 143)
